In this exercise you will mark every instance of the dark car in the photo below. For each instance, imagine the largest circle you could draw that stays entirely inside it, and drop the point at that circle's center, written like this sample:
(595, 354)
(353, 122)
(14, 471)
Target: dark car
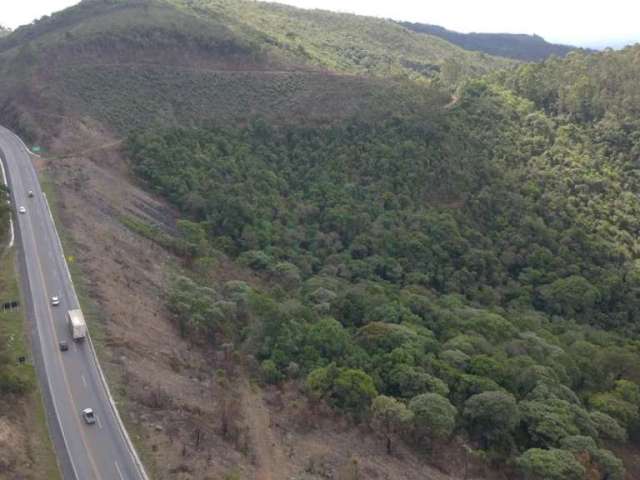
(64, 346)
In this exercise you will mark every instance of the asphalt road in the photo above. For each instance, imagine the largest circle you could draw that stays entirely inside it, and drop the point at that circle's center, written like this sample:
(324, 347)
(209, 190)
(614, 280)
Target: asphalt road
(71, 380)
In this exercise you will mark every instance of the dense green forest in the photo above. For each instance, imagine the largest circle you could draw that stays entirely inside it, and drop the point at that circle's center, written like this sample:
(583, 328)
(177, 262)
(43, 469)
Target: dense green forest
(517, 46)
(471, 270)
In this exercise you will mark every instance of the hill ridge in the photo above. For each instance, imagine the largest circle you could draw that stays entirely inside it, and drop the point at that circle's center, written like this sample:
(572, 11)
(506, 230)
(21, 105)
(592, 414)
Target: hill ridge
(517, 46)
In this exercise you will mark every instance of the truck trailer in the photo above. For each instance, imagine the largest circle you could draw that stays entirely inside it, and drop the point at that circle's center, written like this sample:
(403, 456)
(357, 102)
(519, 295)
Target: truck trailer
(77, 324)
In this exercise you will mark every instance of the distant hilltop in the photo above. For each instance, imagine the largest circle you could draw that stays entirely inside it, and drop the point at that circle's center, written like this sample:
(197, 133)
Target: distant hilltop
(516, 46)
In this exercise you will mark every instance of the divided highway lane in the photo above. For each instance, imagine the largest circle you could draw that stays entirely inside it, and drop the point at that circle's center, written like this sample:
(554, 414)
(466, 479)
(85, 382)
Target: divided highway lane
(71, 380)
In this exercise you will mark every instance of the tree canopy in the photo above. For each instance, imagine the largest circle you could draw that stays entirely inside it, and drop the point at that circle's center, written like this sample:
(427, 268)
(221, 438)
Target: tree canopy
(475, 268)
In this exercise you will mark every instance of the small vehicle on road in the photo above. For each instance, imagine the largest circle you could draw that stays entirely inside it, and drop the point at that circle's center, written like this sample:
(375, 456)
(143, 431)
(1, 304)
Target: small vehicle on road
(64, 346)
(89, 416)
(30, 193)
(55, 301)
(22, 210)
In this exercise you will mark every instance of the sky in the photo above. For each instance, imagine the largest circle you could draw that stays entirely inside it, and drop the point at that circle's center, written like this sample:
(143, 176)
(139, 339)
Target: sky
(588, 23)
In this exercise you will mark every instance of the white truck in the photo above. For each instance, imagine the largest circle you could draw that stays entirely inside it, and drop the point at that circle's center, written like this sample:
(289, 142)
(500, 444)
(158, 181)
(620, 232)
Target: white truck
(77, 324)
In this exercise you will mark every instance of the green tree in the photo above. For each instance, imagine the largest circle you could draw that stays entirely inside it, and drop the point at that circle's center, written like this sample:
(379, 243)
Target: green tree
(353, 390)
(625, 413)
(270, 372)
(433, 417)
(328, 337)
(552, 464)
(608, 428)
(348, 389)
(492, 417)
(550, 421)
(390, 418)
(319, 382)
(571, 295)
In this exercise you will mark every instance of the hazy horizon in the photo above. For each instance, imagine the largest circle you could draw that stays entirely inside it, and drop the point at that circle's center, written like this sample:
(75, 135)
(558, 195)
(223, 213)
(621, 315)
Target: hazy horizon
(571, 22)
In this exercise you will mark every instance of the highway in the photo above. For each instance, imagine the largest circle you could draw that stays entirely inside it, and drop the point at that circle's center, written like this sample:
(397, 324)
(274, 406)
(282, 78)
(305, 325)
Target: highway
(71, 380)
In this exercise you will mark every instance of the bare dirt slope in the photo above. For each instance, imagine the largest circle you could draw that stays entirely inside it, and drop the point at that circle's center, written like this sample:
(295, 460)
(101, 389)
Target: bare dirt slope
(193, 411)
(25, 452)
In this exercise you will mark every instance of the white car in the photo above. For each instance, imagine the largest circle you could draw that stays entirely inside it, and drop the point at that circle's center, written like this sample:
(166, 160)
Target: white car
(22, 210)
(89, 416)
(55, 301)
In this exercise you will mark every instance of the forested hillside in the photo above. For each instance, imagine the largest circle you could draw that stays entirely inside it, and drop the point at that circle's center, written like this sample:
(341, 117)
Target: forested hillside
(134, 63)
(592, 90)
(375, 227)
(472, 271)
(517, 46)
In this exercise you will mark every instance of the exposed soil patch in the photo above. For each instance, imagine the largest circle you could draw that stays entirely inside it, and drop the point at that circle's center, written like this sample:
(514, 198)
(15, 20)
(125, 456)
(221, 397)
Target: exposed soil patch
(24, 453)
(12, 441)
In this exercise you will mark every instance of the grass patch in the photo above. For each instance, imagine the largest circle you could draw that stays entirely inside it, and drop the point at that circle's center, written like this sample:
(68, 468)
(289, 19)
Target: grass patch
(13, 342)
(155, 234)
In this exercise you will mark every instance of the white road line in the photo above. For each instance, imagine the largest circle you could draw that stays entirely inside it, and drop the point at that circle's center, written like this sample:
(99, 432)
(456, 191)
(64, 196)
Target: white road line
(84, 381)
(99, 423)
(118, 470)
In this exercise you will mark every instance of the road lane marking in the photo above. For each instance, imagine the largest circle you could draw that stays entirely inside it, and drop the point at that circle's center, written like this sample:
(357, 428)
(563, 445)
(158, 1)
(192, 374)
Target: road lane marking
(56, 239)
(59, 357)
(118, 470)
(84, 381)
(99, 423)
